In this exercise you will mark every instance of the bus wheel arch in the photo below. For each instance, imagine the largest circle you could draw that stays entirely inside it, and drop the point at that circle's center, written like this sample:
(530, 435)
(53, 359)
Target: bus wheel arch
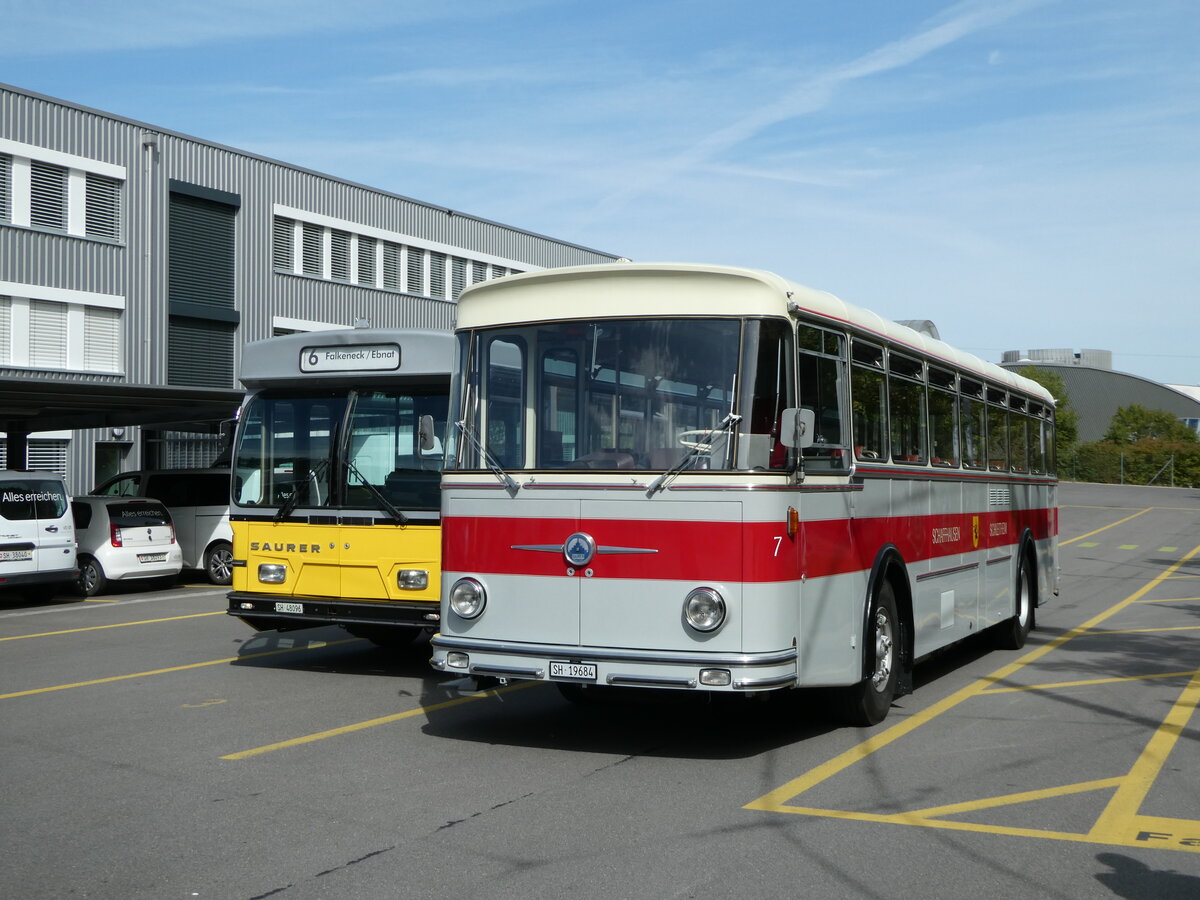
(1012, 633)
(886, 644)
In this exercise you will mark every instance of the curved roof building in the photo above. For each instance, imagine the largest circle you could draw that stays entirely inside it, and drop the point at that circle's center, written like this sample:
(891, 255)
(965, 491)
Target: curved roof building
(1096, 392)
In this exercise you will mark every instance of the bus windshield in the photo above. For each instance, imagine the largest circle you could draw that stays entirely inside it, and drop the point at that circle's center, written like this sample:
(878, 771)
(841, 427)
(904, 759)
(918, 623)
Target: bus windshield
(621, 394)
(340, 448)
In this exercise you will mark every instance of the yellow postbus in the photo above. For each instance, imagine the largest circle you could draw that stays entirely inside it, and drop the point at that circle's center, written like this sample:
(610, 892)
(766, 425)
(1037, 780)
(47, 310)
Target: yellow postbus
(335, 488)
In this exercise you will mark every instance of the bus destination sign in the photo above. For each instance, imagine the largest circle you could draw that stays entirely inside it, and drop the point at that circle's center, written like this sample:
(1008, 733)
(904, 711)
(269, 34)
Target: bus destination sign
(346, 358)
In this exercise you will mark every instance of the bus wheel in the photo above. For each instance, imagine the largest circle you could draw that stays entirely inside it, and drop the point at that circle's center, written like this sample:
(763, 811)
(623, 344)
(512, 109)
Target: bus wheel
(218, 563)
(868, 702)
(1011, 634)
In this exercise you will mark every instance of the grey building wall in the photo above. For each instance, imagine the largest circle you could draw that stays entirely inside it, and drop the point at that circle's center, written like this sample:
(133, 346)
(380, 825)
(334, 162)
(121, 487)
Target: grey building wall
(132, 269)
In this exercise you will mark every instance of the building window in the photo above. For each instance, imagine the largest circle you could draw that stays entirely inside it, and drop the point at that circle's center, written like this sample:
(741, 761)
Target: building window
(101, 339)
(5, 330)
(458, 276)
(283, 237)
(391, 265)
(366, 260)
(47, 335)
(5, 187)
(102, 207)
(437, 275)
(416, 271)
(339, 255)
(47, 196)
(313, 238)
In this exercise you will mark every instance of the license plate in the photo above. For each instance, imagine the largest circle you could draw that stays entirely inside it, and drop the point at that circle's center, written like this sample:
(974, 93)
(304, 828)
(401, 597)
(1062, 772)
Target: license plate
(13, 555)
(152, 557)
(289, 607)
(573, 670)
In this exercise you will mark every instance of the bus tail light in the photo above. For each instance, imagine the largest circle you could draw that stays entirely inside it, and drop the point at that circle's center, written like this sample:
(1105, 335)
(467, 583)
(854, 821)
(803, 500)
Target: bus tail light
(704, 609)
(467, 598)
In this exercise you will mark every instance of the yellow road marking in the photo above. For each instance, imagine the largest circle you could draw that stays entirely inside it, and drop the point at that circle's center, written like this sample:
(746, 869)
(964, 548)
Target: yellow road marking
(1088, 683)
(1140, 512)
(1119, 824)
(372, 723)
(21, 637)
(199, 665)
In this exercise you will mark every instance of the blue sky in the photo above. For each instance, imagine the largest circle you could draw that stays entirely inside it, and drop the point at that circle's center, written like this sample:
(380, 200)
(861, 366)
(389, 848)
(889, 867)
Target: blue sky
(1025, 173)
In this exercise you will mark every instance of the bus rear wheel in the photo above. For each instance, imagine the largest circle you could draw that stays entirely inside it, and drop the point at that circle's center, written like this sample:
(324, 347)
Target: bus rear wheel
(1011, 634)
(868, 702)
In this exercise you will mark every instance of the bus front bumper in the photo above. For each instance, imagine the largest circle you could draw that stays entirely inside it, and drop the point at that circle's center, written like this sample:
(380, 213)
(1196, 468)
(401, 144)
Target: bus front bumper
(618, 667)
(264, 613)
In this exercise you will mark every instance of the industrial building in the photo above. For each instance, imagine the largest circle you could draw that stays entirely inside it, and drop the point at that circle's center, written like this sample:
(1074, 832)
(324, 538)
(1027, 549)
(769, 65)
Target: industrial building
(136, 261)
(1096, 391)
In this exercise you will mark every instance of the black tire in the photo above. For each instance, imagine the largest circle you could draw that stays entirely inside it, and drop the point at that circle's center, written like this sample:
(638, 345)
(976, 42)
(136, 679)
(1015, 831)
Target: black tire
(868, 702)
(1011, 633)
(92, 580)
(218, 562)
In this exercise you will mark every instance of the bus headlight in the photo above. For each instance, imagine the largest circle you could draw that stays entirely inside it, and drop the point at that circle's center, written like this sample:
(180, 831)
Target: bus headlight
(467, 598)
(272, 573)
(412, 579)
(704, 609)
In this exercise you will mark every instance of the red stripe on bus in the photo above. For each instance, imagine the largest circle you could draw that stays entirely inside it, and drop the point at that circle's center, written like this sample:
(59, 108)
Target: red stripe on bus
(728, 551)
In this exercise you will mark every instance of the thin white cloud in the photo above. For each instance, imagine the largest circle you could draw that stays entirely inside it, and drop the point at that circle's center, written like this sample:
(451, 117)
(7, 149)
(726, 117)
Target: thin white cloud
(817, 91)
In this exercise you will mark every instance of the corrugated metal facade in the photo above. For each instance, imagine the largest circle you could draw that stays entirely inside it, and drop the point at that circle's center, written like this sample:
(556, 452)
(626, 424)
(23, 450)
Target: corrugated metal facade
(135, 268)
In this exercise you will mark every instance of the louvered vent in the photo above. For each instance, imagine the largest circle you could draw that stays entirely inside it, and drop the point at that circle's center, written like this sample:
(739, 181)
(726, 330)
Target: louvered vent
(5, 187)
(102, 207)
(101, 339)
(312, 248)
(282, 239)
(391, 265)
(5, 330)
(47, 334)
(366, 260)
(416, 271)
(437, 274)
(339, 255)
(48, 196)
(458, 276)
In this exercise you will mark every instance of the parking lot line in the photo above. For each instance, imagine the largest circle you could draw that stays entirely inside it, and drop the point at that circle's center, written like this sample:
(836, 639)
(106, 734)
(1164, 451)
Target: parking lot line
(1140, 512)
(21, 637)
(1121, 822)
(373, 723)
(199, 665)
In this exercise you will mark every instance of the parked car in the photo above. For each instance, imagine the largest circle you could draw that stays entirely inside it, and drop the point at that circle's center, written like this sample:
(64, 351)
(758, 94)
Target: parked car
(37, 535)
(199, 503)
(123, 539)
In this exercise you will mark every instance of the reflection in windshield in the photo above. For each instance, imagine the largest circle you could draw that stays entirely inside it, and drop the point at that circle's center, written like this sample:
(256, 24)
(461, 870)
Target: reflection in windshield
(344, 449)
(614, 394)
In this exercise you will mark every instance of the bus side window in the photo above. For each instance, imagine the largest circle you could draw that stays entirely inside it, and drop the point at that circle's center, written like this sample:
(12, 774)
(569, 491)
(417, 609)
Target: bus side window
(821, 370)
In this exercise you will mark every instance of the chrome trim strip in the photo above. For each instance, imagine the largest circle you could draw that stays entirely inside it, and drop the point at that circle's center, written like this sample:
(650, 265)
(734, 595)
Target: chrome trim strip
(650, 681)
(951, 571)
(558, 548)
(540, 548)
(609, 654)
(508, 672)
(758, 684)
(1000, 559)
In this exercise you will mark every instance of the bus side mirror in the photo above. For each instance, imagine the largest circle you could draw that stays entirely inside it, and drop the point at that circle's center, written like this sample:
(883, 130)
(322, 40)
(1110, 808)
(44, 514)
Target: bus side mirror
(425, 433)
(797, 428)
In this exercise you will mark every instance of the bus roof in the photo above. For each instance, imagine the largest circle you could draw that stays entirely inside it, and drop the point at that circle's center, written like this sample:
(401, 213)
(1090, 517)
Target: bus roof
(424, 357)
(640, 289)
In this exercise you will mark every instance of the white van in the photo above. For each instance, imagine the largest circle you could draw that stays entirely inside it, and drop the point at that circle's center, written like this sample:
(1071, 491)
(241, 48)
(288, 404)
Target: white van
(199, 503)
(37, 534)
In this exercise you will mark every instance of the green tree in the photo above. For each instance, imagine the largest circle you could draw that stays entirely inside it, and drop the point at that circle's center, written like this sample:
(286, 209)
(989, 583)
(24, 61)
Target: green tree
(1066, 418)
(1134, 423)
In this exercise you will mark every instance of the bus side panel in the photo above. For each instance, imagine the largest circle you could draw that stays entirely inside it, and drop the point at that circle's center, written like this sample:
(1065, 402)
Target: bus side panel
(831, 620)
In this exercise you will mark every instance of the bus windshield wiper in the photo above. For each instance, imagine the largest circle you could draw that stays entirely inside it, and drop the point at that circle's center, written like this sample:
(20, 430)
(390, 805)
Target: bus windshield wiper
(494, 467)
(291, 502)
(704, 445)
(384, 503)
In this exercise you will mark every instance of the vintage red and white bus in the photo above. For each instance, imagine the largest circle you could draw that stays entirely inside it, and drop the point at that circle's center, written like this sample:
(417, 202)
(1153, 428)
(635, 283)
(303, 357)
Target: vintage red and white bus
(714, 479)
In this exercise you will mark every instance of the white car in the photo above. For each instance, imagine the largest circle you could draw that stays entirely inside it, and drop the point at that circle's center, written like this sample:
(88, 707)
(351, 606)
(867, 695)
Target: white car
(199, 503)
(123, 539)
(37, 536)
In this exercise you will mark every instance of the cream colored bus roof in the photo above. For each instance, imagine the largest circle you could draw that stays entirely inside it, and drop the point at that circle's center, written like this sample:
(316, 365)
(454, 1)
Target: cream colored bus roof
(687, 289)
